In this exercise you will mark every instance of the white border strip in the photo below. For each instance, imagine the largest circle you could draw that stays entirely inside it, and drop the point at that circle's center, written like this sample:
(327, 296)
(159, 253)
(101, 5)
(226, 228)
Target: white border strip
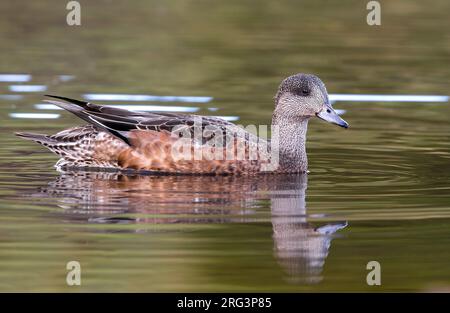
(143, 108)
(388, 98)
(35, 115)
(19, 78)
(124, 97)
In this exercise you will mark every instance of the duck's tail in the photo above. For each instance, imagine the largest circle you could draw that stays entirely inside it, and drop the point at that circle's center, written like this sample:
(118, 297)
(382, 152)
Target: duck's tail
(81, 146)
(42, 139)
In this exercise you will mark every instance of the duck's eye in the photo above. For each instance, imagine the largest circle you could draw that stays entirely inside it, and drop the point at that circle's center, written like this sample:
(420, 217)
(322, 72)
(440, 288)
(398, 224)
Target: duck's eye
(305, 92)
(328, 111)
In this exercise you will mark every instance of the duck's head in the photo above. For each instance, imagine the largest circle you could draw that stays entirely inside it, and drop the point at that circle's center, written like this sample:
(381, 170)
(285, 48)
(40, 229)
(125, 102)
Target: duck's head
(302, 96)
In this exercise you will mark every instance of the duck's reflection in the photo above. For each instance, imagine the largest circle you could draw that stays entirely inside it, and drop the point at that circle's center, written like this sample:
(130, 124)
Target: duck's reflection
(299, 247)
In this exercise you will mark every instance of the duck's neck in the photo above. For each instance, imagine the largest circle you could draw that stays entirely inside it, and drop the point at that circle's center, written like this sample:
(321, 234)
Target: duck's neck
(292, 144)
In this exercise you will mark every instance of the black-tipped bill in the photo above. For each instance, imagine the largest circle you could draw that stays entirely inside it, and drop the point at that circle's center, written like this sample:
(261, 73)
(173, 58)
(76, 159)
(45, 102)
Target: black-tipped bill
(330, 115)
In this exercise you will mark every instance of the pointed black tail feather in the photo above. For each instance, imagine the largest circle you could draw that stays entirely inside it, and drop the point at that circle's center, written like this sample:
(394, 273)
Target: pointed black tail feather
(95, 115)
(82, 104)
(39, 138)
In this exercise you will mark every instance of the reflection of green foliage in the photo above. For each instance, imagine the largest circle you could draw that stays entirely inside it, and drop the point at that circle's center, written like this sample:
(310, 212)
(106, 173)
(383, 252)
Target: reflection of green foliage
(203, 46)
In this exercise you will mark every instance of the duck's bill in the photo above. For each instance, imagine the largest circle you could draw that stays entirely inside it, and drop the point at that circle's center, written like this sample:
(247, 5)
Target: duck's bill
(331, 116)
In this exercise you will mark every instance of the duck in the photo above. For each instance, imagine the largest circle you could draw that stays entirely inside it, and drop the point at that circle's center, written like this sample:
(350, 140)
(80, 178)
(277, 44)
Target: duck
(180, 143)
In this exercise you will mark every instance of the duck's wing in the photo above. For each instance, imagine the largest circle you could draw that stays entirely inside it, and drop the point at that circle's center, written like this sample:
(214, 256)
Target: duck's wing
(120, 122)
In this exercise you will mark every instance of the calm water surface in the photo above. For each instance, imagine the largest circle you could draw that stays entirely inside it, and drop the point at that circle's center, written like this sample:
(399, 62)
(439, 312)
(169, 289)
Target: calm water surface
(378, 191)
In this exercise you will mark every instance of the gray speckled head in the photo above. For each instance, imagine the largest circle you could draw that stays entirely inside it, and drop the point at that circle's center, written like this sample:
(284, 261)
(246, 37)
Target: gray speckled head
(303, 96)
(299, 98)
(303, 85)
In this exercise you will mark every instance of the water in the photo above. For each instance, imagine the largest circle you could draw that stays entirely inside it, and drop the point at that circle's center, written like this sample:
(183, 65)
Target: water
(378, 191)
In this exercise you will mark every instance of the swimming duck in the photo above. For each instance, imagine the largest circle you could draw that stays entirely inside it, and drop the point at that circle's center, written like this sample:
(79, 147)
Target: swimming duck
(142, 141)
